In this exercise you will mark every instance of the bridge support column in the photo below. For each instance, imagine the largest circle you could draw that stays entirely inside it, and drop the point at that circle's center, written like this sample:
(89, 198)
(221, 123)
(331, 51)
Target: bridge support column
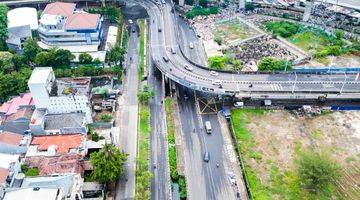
(242, 4)
(307, 11)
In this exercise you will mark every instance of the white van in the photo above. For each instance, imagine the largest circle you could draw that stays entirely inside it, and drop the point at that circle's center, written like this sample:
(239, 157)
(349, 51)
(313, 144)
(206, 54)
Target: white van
(208, 127)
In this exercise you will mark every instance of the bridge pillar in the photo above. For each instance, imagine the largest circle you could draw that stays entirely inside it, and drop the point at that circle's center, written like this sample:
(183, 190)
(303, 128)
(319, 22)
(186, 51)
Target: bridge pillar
(307, 11)
(181, 2)
(242, 4)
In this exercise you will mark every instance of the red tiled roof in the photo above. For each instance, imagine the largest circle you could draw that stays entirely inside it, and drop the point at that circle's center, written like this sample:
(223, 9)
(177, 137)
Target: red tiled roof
(13, 104)
(60, 8)
(63, 143)
(82, 20)
(10, 138)
(68, 163)
(3, 175)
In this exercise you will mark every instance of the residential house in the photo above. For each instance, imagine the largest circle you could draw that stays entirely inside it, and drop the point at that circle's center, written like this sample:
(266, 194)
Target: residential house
(59, 96)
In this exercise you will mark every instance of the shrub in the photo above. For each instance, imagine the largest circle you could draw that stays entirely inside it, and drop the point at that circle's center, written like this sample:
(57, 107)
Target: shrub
(106, 117)
(218, 39)
(272, 64)
(283, 28)
(198, 10)
(85, 58)
(318, 172)
(217, 62)
(32, 172)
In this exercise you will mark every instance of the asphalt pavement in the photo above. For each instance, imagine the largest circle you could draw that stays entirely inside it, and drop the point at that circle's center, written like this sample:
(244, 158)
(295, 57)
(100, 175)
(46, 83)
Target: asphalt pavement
(205, 180)
(164, 31)
(125, 188)
(160, 183)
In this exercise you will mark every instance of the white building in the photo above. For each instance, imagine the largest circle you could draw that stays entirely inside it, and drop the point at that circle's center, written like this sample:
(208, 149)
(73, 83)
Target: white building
(61, 25)
(60, 96)
(21, 23)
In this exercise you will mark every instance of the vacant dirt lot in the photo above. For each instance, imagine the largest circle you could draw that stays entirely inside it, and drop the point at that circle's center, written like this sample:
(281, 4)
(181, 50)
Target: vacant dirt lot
(276, 136)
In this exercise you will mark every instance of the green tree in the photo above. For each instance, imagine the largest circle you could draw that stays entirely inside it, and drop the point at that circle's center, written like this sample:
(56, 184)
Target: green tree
(106, 117)
(3, 26)
(203, 3)
(217, 62)
(85, 58)
(272, 64)
(318, 172)
(61, 58)
(43, 59)
(145, 95)
(31, 48)
(6, 64)
(236, 65)
(218, 39)
(189, 2)
(115, 55)
(19, 61)
(108, 164)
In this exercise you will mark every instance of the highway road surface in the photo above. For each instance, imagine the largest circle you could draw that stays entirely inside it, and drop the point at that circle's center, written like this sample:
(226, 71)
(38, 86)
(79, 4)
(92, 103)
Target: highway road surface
(160, 184)
(125, 188)
(205, 180)
(164, 36)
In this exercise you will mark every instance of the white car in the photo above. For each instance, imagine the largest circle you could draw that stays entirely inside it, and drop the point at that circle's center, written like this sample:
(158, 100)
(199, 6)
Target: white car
(130, 21)
(191, 45)
(214, 73)
(216, 82)
(187, 67)
(239, 104)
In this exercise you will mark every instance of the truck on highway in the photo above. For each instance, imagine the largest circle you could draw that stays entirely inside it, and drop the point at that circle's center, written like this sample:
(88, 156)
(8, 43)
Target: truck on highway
(208, 127)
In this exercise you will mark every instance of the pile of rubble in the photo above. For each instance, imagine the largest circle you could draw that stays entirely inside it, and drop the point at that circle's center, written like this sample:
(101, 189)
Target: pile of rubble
(261, 47)
(310, 111)
(335, 17)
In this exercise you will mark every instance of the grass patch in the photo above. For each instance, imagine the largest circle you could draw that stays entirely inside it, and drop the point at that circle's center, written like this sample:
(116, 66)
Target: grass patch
(279, 180)
(198, 10)
(309, 38)
(174, 174)
(143, 175)
(312, 176)
(233, 30)
(142, 48)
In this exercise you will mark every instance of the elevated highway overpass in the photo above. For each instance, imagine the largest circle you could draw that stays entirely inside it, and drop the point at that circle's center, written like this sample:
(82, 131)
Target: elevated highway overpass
(243, 85)
(258, 85)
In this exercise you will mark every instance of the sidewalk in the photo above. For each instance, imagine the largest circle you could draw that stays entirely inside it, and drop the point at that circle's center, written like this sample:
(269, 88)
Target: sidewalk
(232, 158)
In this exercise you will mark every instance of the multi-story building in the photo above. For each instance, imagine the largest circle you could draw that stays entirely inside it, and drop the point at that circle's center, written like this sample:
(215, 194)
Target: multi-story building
(61, 25)
(57, 96)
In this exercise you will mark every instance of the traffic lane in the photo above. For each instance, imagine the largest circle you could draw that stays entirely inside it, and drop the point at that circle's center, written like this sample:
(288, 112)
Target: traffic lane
(198, 176)
(158, 156)
(215, 142)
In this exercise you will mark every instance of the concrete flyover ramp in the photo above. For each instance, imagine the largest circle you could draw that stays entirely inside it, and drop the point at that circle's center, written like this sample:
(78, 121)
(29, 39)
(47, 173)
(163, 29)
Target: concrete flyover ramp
(164, 35)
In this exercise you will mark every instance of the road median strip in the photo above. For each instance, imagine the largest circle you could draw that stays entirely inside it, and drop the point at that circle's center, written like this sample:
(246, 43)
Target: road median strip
(174, 174)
